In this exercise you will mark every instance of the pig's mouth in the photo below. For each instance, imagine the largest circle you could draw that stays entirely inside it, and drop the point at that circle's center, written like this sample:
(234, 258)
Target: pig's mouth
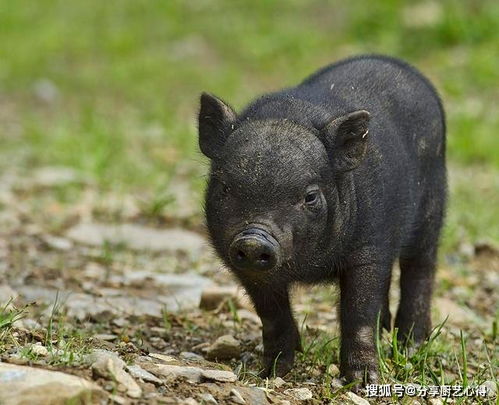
(254, 249)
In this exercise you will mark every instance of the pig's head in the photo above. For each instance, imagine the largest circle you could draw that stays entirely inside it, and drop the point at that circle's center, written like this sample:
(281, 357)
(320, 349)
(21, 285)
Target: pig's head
(274, 204)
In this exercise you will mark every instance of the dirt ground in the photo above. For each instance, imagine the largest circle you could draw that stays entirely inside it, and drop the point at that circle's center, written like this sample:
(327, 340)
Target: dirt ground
(95, 279)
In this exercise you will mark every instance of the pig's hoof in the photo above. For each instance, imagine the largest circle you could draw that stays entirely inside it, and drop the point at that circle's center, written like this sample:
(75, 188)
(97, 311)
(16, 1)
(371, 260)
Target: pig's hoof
(277, 368)
(361, 378)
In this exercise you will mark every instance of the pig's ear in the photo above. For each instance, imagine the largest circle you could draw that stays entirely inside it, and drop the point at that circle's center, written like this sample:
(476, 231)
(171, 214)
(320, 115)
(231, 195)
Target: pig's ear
(216, 119)
(345, 139)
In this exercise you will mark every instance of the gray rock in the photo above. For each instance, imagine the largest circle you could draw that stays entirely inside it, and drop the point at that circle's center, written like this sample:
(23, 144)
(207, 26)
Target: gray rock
(207, 398)
(253, 395)
(188, 401)
(99, 357)
(28, 323)
(163, 357)
(246, 315)
(191, 356)
(355, 399)
(191, 374)
(47, 177)
(219, 375)
(46, 90)
(424, 14)
(169, 371)
(178, 292)
(491, 388)
(138, 372)
(6, 294)
(278, 382)
(458, 315)
(236, 397)
(108, 365)
(137, 237)
(116, 399)
(333, 370)
(107, 337)
(58, 243)
(224, 348)
(213, 296)
(301, 394)
(39, 349)
(27, 385)
(336, 383)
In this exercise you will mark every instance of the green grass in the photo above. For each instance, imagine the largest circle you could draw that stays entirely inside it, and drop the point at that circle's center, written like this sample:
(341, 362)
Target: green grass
(8, 315)
(443, 359)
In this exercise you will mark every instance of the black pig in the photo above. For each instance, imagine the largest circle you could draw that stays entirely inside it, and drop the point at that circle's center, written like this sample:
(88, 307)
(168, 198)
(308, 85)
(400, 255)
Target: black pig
(334, 179)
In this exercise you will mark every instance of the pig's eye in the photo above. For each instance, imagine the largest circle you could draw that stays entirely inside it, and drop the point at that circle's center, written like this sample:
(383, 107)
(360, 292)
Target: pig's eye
(312, 198)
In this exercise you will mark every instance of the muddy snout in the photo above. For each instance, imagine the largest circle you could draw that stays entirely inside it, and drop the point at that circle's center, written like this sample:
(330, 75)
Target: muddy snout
(254, 249)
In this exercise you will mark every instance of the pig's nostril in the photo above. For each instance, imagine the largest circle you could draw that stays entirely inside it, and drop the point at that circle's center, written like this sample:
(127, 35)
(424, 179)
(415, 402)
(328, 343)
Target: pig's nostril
(240, 255)
(264, 257)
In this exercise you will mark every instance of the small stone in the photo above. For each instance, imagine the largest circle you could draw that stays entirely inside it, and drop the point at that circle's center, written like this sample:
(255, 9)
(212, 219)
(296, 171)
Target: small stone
(435, 401)
(336, 383)
(99, 357)
(159, 331)
(279, 382)
(39, 349)
(355, 399)
(6, 294)
(163, 357)
(301, 394)
(208, 398)
(137, 237)
(284, 402)
(58, 243)
(188, 401)
(109, 365)
(219, 375)
(30, 324)
(422, 14)
(47, 177)
(333, 370)
(236, 397)
(191, 374)
(491, 388)
(116, 399)
(46, 91)
(224, 348)
(138, 372)
(120, 322)
(32, 384)
(466, 249)
(458, 315)
(246, 315)
(191, 356)
(253, 395)
(106, 337)
(213, 296)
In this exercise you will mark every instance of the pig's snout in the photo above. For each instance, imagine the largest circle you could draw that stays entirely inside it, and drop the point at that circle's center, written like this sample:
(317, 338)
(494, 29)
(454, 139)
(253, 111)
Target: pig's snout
(254, 249)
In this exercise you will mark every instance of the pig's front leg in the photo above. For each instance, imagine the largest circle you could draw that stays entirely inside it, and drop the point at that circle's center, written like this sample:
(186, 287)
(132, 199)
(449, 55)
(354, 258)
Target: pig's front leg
(364, 288)
(280, 334)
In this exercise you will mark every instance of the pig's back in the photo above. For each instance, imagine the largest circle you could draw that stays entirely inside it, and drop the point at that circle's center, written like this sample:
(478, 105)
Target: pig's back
(401, 101)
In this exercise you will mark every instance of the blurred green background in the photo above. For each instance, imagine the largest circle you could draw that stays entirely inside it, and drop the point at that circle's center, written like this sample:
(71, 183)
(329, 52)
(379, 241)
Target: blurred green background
(111, 88)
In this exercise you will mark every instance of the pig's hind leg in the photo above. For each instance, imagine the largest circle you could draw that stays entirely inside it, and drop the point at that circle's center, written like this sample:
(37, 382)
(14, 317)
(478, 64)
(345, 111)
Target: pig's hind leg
(417, 273)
